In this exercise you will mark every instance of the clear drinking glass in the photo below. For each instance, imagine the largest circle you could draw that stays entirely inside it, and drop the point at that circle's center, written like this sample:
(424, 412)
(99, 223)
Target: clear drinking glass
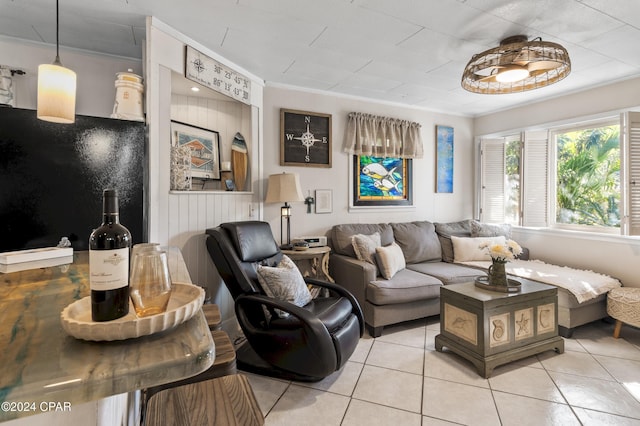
(150, 283)
(140, 247)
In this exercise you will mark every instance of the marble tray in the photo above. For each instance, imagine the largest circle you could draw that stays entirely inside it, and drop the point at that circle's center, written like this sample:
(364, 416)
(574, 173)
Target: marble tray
(185, 301)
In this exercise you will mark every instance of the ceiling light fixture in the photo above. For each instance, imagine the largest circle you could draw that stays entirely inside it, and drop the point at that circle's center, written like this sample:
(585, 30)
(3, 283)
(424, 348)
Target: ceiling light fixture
(56, 88)
(195, 89)
(517, 65)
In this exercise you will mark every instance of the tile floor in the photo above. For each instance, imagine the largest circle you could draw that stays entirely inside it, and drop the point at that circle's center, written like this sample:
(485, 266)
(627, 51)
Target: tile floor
(399, 379)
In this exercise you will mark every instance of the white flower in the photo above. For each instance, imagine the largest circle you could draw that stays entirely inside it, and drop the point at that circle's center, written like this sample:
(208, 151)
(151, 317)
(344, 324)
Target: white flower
(502, 252)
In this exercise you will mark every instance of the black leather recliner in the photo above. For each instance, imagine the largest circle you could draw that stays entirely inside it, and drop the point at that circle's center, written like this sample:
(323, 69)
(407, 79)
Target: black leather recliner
(313, 341)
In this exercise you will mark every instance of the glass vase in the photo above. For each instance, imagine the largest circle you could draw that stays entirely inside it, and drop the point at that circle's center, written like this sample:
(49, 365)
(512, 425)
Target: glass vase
(498, 274)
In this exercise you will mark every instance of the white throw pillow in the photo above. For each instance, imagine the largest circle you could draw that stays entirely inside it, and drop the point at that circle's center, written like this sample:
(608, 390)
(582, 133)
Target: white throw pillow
(468, 249)
(390, 260)
(365, 246)
(284, 282)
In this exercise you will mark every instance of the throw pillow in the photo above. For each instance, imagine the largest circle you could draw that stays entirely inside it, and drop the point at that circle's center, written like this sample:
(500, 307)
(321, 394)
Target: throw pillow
(284, 282)
(446, 230)
(365, 246)
(468, 249)
(390, 260)
(479, 229)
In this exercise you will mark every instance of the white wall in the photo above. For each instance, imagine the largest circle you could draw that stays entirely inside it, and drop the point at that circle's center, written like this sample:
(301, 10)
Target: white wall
(428, 204)
(96, 74)
(612, 255)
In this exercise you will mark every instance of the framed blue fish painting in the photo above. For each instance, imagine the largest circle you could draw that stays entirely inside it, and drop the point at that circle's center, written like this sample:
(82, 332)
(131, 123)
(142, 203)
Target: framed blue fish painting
(444, 159)
(382, 181)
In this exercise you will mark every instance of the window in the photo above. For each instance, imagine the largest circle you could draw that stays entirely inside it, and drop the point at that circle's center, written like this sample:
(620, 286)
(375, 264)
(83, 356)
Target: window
(514, 179)
(585, 178)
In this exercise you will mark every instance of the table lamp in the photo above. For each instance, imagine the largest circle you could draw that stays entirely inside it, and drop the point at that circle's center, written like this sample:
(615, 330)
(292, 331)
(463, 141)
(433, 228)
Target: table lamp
(284, 188)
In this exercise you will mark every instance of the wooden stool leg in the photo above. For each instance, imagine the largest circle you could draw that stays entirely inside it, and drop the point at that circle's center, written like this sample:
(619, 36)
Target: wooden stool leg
(616, 331)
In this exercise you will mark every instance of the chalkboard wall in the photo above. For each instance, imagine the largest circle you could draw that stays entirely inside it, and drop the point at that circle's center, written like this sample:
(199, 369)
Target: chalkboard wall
(52, 177)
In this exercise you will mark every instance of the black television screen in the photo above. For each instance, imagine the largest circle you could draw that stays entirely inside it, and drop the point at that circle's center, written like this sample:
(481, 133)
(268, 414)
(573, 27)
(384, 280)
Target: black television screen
(52, 177)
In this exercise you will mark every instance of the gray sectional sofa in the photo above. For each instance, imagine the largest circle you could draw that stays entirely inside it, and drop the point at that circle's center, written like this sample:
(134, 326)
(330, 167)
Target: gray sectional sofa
(414, 292)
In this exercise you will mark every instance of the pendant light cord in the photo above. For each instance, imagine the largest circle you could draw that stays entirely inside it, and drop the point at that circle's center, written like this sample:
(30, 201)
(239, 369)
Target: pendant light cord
(57, 61)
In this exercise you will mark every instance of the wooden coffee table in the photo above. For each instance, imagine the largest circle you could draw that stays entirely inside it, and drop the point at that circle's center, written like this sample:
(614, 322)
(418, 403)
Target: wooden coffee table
(491, 328)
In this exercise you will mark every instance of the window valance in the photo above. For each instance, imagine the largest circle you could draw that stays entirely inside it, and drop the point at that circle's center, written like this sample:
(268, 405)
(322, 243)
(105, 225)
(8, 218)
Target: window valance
(382, 136)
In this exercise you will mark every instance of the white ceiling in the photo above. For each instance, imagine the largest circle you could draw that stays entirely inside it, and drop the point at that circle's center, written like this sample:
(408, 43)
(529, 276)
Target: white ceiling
(404, 51)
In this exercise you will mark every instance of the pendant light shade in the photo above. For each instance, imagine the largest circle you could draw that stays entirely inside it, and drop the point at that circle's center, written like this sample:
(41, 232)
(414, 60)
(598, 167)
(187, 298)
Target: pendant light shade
(56, 93)
(56, 88)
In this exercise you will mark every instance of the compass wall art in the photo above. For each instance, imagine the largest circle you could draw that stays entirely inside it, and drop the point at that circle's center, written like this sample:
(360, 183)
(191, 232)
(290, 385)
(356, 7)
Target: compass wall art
(305, 138)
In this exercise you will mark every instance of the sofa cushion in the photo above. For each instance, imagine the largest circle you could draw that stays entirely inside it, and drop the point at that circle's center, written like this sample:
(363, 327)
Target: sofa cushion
(472, 249)
(448, 273)
(446, 230)
(405, 286)
(390, 260)
(479, 229)
(341, 236)
(418, 241)
(365, 246)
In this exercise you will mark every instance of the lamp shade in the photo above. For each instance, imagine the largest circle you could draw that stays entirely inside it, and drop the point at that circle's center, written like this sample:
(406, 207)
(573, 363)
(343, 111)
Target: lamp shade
(56, 93)
(284, 187)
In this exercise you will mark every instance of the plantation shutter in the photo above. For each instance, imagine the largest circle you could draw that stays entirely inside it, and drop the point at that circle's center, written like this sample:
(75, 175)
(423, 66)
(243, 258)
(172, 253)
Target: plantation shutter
(492, 177)
(535, 176)
(631, 126)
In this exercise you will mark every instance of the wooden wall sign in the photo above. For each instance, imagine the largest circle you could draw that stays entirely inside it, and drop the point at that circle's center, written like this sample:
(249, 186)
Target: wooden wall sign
(210, 73)
(305, 138)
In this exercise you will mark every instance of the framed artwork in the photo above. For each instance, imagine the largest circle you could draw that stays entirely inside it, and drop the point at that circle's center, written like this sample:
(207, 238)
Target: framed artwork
(324, 201)
(382, 181)
(205, 148)
(444, 159)
(305, 138)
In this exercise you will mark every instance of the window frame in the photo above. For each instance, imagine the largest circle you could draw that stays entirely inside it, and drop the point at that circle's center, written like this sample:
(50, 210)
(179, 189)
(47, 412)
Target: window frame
(553, 175)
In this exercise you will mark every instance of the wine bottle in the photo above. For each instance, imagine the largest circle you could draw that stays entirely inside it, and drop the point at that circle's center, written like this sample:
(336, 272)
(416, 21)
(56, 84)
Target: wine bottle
(109, 247)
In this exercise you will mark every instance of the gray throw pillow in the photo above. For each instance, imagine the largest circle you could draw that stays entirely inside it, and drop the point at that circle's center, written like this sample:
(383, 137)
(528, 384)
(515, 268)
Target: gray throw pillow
(479, 229)
(341, 235)
(284, 282)
(365, 246)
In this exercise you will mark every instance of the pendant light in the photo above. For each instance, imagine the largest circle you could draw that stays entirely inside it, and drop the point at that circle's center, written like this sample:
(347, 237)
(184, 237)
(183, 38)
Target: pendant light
(517, 65)
(56, 88)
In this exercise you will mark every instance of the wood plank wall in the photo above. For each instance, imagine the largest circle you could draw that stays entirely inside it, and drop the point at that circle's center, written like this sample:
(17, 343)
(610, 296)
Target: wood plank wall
(191, 213)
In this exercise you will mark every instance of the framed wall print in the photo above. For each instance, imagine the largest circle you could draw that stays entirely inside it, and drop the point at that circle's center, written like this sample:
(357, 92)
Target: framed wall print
(382, 181)
(324, 201)
(444, 159)
(305, 138)
(205, 148)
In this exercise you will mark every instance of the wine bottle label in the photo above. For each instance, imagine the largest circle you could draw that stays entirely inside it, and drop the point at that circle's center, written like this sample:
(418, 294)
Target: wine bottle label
(108, 269)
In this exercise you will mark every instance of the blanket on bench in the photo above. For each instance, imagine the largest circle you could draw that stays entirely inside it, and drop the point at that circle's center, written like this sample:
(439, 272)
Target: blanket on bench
(583, 284)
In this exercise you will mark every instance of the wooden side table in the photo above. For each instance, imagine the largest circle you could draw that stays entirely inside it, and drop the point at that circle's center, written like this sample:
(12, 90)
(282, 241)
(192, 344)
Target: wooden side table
(312, 262)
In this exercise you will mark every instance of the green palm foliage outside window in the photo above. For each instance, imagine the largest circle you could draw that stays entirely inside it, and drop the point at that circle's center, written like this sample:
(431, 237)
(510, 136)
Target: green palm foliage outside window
(588, 177)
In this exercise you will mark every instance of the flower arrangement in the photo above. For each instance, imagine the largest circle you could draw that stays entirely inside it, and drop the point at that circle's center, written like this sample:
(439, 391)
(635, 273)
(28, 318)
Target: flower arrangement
(502, 253)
